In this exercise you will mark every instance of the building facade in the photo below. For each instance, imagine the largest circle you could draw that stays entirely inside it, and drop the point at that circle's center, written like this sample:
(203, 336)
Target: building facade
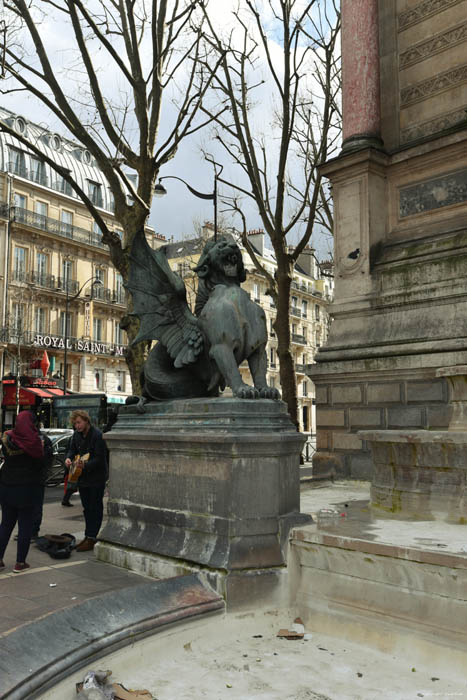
(311, 293)
(53, 255)
(400, 210)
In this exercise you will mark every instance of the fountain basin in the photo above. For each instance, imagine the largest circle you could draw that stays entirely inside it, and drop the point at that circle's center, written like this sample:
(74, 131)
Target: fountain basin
(419, 474)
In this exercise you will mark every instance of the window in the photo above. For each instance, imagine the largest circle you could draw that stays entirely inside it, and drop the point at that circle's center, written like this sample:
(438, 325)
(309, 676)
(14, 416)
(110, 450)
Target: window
(95, 193)
(272, 357)
(41, 208)
(304, 308)
(318, 338)
(119, 288)
(304, 330)
(66, 222)
(96, 235)
(17, 316)
(20, 201)
(294, 302)
(17, 163)
(118, 335)
(63, 186)
(306, 426)
(37, 172)
(317, 312)
(97, 326)
(40, 315)
(256, 292)
(20, 264)
(41, 266)
(294, 329)
(99, 377)
(121, 380)
(67, 273)
(305, 388)
(65, 332)
(271, 327)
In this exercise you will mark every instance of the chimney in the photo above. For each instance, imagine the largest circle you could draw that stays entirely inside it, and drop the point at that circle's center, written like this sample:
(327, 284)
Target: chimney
(256, 238)
(307, 262)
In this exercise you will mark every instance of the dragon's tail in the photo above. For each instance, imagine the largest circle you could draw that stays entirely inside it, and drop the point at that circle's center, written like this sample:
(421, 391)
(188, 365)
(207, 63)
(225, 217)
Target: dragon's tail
(162, 381)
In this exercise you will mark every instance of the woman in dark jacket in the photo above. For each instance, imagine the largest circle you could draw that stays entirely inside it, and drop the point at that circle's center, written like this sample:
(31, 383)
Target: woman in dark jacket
(21, 485)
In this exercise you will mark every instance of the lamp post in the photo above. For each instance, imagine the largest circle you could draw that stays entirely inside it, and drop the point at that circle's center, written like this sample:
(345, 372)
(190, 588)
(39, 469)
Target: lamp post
(95, 281)
(160, 191)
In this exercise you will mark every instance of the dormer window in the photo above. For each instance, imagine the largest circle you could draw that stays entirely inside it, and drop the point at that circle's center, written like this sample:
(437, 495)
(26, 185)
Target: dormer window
(37, 173)
(95, 193)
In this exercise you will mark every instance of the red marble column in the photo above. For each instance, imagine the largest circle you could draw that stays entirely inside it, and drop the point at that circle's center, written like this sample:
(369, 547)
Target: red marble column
(360, 75)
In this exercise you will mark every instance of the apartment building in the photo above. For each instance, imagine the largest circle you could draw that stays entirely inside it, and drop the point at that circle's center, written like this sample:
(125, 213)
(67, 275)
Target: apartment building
(53, 258)
(311, 292)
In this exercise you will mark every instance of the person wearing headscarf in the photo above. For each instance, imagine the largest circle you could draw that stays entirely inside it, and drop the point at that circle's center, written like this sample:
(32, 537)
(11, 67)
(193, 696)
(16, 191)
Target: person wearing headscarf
(21, 485)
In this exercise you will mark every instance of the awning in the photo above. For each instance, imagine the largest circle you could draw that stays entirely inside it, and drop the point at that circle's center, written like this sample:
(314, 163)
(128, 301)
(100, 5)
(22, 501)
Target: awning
(43, 393)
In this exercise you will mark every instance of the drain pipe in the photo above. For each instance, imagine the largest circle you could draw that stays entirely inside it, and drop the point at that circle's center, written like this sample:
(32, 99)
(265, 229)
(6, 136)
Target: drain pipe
(5, 279)
(7, 250)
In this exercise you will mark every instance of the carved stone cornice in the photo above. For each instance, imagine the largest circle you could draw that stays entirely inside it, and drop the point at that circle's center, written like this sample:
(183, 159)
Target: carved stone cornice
(434, 126)
(422, 11)
(434, 45)
(438, 83)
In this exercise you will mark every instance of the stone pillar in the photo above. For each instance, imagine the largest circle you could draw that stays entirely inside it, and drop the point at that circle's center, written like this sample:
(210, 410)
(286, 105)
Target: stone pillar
(360, 75)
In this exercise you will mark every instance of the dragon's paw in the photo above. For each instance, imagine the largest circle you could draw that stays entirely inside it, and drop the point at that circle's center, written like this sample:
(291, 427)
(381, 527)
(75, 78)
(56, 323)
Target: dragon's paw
(269, 392)
(244, 391)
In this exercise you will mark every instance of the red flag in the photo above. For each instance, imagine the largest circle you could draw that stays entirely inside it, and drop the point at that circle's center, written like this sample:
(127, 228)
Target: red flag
(45, 364)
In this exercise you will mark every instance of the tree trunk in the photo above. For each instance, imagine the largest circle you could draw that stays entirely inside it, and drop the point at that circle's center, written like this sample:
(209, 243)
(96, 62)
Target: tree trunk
(286, 362)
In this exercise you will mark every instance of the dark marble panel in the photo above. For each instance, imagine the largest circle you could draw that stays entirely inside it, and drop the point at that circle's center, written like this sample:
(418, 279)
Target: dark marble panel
(433, 194)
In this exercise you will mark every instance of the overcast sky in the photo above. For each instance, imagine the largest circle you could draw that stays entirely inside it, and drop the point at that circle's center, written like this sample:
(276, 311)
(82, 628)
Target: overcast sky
(175, 214)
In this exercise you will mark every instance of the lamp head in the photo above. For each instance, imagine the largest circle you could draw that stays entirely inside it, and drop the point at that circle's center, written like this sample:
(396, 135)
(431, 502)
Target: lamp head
(159, 190)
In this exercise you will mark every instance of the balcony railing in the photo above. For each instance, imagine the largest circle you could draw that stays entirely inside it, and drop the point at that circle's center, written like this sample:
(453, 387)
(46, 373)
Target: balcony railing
(71, 286)
(297, 338)
(59, 228)
(111, 296)
(300, 368)
(295, 311)
(42, 280)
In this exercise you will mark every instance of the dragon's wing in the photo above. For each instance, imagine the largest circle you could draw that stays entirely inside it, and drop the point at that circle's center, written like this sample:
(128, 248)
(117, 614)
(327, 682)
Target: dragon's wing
(159, 301)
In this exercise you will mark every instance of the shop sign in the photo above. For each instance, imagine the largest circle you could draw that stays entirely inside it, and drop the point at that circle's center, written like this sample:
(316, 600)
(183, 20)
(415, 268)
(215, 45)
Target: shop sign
(80, 345)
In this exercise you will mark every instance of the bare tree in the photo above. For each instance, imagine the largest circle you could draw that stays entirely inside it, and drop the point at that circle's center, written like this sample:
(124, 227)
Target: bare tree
(287, 49)
(131, 123)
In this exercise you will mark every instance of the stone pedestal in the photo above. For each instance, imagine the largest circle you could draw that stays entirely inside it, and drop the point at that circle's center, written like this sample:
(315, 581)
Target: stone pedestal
(204, 484)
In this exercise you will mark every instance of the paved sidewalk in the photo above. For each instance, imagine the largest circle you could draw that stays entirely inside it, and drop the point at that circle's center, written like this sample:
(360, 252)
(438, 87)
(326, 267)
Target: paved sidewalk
(51, 585)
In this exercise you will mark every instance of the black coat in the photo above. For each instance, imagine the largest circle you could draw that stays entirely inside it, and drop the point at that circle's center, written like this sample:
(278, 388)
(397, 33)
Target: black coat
(19, 469)
(95, 471)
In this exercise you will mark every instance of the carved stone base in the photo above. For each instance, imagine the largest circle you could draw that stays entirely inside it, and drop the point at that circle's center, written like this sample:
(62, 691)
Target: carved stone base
(202, 484)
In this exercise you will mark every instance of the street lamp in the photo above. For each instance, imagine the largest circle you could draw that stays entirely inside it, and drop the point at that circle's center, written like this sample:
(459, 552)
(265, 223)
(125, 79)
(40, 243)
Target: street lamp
(160, 191)
(95, 282)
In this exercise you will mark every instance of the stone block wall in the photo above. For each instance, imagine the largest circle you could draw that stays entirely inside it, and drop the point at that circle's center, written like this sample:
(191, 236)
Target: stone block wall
(345, 407)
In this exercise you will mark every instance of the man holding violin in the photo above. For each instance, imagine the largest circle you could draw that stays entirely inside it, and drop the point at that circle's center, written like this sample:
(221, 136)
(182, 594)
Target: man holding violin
(87, 457)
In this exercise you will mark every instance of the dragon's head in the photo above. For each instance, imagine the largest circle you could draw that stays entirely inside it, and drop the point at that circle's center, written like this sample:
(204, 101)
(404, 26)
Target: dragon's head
(221, 262)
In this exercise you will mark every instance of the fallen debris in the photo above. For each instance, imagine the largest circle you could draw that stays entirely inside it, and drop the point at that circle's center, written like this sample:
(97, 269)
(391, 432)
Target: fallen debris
(96, 687)
(122, 693)
(290, 634)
